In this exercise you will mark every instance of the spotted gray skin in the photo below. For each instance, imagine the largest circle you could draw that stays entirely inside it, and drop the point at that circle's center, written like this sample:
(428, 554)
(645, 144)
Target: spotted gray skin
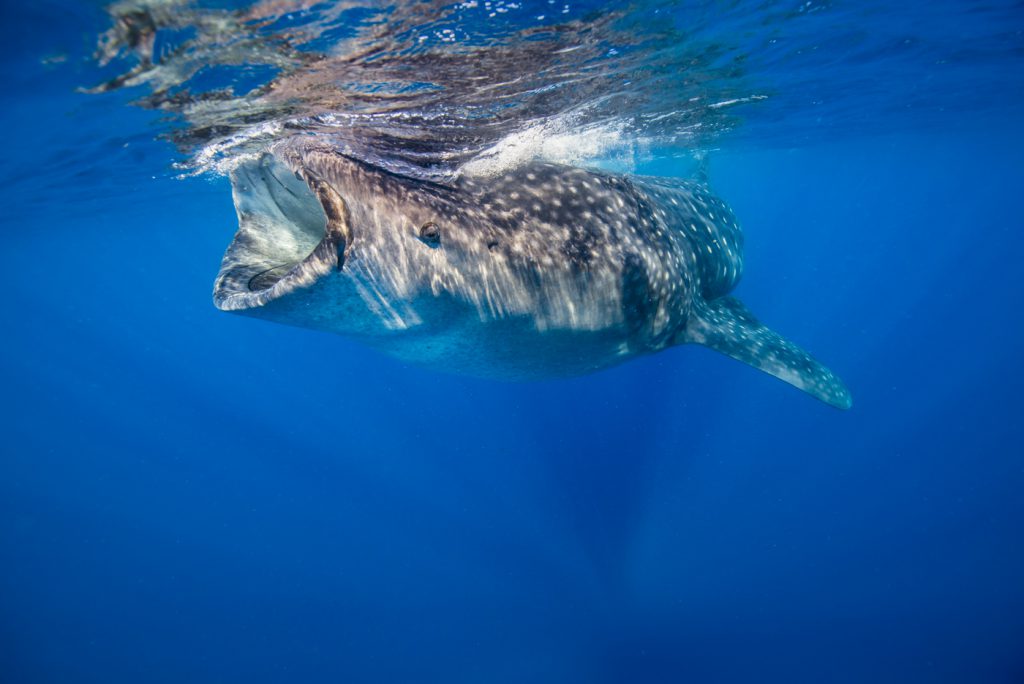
(547, 271)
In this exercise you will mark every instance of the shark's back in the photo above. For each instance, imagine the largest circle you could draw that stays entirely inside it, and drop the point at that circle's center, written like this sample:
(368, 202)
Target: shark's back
(708, 225)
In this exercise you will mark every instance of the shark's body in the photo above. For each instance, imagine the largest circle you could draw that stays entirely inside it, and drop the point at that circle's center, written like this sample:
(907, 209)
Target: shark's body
(549, 270)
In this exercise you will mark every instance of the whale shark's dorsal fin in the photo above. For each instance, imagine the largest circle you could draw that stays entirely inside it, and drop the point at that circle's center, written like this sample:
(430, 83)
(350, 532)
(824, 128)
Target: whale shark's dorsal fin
(726, 326)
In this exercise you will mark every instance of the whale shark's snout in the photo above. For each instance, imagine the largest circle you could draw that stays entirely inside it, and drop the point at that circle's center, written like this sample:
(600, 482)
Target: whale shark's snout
(292, 230)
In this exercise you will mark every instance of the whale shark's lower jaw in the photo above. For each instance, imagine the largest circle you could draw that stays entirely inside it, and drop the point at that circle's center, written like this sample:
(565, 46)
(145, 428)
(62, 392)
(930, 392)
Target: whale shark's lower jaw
(291, 232)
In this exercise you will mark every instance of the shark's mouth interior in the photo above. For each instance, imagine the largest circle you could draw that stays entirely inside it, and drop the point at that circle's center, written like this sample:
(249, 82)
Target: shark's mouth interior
(285, 239)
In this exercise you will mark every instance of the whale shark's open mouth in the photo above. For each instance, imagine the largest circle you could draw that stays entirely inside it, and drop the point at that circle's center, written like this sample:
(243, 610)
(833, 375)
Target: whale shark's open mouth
(291, 231)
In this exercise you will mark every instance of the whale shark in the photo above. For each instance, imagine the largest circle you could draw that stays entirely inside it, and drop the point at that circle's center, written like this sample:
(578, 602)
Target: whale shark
(540, 271)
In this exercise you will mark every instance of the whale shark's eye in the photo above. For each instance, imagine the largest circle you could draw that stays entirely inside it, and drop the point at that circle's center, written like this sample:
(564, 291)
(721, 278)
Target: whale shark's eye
(430, 233)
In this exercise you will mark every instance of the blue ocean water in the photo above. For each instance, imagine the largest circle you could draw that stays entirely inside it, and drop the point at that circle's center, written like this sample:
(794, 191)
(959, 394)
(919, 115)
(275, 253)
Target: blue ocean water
(190, 496)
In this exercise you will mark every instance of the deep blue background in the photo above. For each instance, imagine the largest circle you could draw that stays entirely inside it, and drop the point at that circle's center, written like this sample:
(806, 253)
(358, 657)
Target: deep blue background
(189, 496)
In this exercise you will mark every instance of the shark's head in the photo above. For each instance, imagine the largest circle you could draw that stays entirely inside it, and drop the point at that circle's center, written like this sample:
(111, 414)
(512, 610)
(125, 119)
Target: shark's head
(312, 219)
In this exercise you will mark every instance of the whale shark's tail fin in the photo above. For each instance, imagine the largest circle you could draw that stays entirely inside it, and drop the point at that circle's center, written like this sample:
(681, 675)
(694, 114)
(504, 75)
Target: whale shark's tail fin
(726, 326)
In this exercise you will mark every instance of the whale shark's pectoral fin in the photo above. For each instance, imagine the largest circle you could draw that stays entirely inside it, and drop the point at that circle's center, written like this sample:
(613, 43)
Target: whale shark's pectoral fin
(725, 325)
